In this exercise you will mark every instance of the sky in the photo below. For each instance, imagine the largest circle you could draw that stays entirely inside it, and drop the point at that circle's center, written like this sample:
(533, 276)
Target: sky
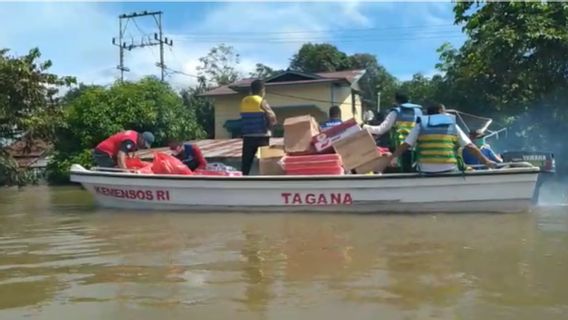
(77, 36)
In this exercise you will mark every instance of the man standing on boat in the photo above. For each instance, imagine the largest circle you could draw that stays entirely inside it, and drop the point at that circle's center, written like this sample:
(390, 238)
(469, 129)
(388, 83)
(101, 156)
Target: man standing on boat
(437, 138)
(190, 154)
(257, 119)
(113, 151)
(401, 119)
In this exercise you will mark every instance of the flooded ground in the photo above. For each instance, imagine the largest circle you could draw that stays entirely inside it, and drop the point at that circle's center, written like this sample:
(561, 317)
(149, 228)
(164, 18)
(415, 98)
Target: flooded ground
(60, 258)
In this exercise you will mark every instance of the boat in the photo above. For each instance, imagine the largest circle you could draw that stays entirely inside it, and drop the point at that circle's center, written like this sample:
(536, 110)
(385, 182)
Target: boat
(507, 189)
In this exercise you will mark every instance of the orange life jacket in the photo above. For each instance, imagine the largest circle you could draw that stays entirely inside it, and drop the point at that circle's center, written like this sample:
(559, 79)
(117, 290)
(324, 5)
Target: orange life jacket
(111, 145)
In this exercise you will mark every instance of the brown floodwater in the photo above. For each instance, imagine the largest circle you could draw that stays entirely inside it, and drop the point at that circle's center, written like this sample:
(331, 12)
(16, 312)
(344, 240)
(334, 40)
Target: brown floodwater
(62, 258)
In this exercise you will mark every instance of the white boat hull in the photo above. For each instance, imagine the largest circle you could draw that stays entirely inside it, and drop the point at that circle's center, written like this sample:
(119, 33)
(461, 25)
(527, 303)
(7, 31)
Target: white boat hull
(504, 190)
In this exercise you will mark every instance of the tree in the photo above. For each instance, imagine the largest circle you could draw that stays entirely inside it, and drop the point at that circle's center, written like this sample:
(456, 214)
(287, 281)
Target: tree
(423, 90)
(99, 112)
(319, 58)
(326, 58)
(29, 107)
(376, 79)
(219, 66)
(515, 52)
(202, 106)
(263, 71)
(513, 66)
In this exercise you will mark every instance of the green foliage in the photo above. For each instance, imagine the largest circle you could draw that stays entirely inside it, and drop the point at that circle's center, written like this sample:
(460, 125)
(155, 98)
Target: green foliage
(202, 106)
(326, 57)
(96, 113)
(60, 162)
(515, 54)
(423, 90)
(376, 79)
(263, 71)
(513, 66)
(319, 58)
(219, 66)
(28, 106)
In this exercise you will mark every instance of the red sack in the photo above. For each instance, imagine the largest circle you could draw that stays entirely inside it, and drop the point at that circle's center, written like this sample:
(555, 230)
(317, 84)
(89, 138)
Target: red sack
(146, 170)
(135, 163)
(167, 164)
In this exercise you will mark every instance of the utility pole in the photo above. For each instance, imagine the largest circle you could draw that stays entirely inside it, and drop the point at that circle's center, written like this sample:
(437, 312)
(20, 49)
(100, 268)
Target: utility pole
(159, 39)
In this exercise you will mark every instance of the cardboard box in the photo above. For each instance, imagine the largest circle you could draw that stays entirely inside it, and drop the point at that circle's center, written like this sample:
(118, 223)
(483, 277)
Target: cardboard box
(375, 165)
(298, 133)
(269, 158)
(324, 141)
(357, 149)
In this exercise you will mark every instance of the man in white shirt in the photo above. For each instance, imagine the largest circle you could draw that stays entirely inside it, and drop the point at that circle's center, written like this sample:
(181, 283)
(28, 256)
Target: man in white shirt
(401, 119)
(447, 162)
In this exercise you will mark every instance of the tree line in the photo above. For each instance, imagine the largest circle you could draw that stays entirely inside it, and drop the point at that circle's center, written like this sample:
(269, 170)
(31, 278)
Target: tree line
(512, 67)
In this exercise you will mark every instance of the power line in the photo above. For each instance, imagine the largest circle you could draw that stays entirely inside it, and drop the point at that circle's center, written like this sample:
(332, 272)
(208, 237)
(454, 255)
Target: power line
(315, 37)
(358, 34)
(158, 40)
(321, 30)
(305, 99)
(329, 39)
(311, 39)
(140, 29)
(173, 71)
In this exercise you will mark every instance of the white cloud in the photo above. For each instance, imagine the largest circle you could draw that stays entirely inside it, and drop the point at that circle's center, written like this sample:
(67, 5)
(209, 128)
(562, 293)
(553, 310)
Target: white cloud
(77, 36)
(236, 24)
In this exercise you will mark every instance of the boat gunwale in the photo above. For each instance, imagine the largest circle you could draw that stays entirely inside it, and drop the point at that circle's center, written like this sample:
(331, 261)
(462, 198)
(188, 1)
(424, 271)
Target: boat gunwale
(508, 171)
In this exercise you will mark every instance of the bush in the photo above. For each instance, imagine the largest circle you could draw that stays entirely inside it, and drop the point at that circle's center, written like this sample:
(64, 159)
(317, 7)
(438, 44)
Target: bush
(95, 113)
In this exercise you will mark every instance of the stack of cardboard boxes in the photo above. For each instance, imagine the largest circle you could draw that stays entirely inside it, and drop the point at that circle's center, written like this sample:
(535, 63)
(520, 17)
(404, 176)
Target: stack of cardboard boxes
(302, 136)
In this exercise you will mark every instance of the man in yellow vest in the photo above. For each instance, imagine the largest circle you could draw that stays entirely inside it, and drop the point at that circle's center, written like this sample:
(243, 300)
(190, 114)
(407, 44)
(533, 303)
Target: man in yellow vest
(399, 122)
(437, 139)
(257, 118)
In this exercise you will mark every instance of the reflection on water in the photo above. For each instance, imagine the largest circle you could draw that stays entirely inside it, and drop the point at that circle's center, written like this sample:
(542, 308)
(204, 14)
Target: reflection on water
(62, 258)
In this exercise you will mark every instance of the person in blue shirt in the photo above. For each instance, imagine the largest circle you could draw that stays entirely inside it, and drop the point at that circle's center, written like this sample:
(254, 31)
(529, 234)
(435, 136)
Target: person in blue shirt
(478, 139)
(334, 118)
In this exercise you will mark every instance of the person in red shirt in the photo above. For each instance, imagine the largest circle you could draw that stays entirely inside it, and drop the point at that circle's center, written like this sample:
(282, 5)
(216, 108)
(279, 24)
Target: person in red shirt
(113, 151)
(189, 154)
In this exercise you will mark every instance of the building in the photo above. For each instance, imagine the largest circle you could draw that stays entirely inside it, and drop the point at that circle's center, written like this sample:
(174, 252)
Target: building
(31, 155)
(290, 93)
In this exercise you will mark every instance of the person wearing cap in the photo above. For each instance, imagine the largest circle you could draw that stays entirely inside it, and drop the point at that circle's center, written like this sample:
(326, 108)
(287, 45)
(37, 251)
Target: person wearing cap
(478, 138)
(112, 152)
(188, 153)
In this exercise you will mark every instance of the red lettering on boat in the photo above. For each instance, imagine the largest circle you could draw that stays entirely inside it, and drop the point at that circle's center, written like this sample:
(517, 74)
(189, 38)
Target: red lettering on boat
(297, 199)
(336, 198)
(310, 198)
(149, 195)
(286, 196)
(320, 199)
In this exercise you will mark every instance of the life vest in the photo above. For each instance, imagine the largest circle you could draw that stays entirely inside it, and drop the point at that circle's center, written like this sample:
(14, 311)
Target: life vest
(331, 123)
(253, 118)
(111, 145)
(406, 115)
(438, 140)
